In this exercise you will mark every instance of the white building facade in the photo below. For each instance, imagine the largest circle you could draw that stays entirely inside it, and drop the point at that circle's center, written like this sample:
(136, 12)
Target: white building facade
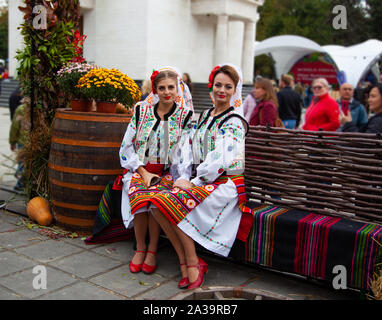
(137, 36)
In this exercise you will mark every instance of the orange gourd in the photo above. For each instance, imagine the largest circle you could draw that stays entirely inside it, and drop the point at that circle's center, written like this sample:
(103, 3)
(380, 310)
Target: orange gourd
(38, 210)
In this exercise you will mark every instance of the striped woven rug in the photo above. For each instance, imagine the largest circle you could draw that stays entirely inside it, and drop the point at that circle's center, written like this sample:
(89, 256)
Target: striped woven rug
(312, 245)
(108, 225)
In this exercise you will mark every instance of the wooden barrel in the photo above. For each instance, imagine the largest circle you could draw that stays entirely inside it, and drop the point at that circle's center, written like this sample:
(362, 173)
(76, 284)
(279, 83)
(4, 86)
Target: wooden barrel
(84, 157)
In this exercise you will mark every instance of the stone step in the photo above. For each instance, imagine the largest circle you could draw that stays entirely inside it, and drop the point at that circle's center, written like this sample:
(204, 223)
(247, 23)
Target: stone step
(7, 88)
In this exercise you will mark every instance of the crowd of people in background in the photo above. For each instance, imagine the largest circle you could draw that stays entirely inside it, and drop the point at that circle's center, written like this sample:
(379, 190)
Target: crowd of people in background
(314, 107)
(305, 106)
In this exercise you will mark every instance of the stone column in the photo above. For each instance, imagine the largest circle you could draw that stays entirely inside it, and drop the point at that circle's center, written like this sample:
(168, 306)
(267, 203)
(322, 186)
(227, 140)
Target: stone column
(16, 41)
(221, 40)
(235, 42)
(249, 52)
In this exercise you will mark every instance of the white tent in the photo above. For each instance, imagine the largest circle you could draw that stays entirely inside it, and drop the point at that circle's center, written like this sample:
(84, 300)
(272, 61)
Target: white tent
(355, 61)
(286, 51)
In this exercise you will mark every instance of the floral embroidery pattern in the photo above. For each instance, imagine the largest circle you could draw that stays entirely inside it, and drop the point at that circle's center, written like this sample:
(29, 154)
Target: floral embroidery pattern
(168, 177)
(175, 190)
(148, 144)
(206, 236)
(140, 195)
(237, 103)
(217, 220)
(136, 175)
(191, 204)
(210, 187)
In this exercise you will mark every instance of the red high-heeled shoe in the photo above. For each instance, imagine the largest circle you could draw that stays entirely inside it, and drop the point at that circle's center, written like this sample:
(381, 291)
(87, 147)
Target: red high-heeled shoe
(147, 268)
(184, 282)
(202, 267)
(135, 268)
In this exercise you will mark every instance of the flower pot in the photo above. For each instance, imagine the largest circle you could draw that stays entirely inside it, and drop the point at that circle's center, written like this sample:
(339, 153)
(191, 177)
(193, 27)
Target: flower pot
(81, 105)
(106, 107)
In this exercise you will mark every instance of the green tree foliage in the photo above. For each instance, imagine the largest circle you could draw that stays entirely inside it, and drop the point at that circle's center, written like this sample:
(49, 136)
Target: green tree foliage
(46, 50)
(374, 12)
(308, 18)
(358, 27)
(313, 19)
(4, 34)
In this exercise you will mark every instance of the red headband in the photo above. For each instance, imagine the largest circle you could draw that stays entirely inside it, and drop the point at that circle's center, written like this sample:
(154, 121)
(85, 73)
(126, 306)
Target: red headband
(153, 76)
(211, 78)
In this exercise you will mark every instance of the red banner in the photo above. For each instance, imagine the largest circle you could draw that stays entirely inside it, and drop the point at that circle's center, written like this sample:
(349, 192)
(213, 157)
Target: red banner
(306, 72)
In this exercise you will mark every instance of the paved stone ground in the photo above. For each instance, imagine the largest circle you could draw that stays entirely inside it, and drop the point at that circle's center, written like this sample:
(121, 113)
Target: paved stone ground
(76, 271)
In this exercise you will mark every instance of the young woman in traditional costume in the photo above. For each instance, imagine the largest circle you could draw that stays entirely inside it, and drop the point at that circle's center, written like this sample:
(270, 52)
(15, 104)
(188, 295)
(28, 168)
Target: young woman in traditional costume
(146, 154)
(209, 208)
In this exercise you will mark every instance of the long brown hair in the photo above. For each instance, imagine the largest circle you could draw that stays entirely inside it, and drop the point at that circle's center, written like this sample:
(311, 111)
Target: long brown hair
(270, 93)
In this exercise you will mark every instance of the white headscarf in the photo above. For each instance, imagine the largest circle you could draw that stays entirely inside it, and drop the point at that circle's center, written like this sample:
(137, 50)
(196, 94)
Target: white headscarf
(236, 99)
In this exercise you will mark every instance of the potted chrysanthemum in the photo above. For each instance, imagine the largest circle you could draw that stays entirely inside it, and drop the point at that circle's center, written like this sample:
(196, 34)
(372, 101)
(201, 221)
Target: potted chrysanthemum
(108, 87)
(67, 78)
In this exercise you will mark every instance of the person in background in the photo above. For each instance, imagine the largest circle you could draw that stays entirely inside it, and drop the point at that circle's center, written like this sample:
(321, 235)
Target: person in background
(266, 109)
(146, 89)
(187, 80)
(308, 96)
(14, 101)
(348, 104)
(374, 125)
(275, 86)
(18, 135)
(299, 89)
(365, 96)
(6, 75)
(323, 112)
(2, 69)
(289, 103)
(249, 104)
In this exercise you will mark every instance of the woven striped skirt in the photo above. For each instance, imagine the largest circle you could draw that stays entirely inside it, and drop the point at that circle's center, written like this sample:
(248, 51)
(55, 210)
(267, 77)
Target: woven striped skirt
(212, 214)
(108, 226)
(140, 195)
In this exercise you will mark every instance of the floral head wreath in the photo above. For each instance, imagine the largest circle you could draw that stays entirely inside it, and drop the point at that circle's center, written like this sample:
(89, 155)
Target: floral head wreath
(236, 100)
(153, 76)
(211, 78)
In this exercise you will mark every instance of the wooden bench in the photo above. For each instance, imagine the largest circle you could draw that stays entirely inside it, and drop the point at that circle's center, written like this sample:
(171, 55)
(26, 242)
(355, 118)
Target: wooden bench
(317, 201)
